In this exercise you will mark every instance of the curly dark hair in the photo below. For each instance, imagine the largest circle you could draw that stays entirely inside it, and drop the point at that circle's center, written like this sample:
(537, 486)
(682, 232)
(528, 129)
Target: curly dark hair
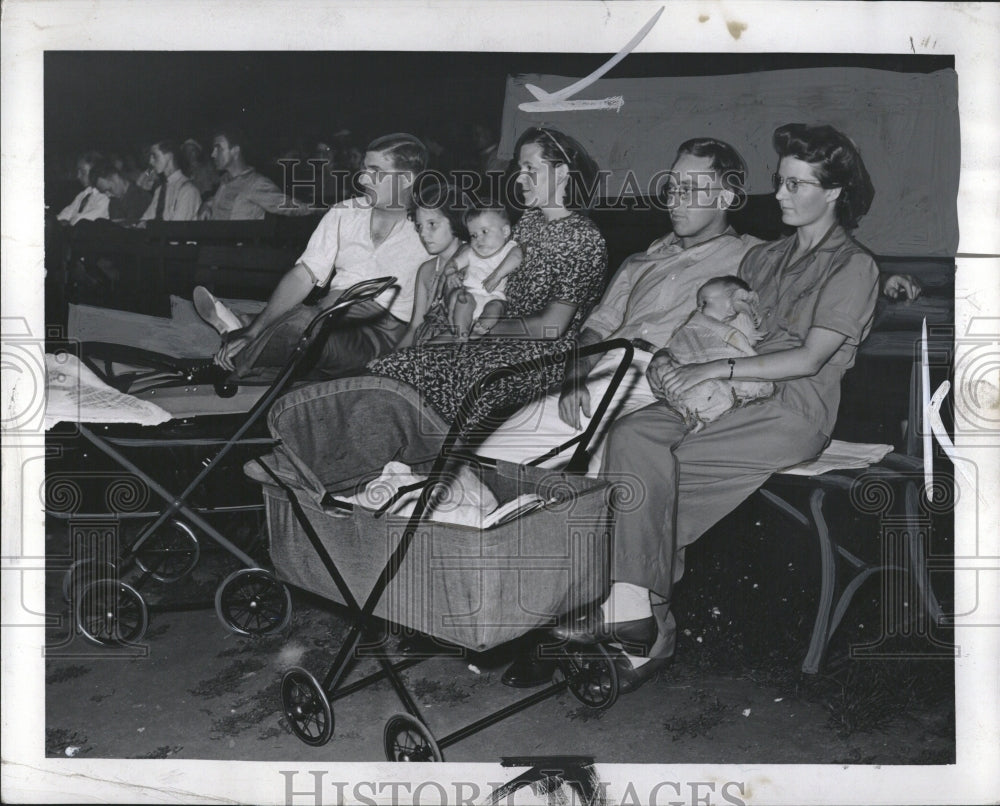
(837, 163)
(432, 195)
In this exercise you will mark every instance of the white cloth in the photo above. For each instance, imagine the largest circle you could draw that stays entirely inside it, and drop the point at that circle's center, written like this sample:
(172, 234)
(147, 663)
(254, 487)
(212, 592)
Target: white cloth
(465, 501)
(75, 394)
(342, 246)
(842, 456)
(536, 428)
(702, 338)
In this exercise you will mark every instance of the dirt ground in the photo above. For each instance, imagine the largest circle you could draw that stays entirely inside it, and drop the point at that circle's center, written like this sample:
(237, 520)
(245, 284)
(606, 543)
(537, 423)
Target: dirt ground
(194, 690)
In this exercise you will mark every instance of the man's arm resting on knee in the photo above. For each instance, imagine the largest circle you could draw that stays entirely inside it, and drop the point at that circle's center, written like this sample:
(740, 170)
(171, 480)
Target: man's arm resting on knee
(574, 396)
(291, 290)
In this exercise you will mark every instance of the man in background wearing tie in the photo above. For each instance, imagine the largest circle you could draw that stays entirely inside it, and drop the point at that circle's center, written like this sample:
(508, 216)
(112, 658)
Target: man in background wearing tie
(175, 198)
(90, 204)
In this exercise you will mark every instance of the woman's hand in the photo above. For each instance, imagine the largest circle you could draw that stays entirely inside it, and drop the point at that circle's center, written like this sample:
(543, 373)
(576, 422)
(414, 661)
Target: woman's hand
(491, 282)
(574, 398)
(679, 380)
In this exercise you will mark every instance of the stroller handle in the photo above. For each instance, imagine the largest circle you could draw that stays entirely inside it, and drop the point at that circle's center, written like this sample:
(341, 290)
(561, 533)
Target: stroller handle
(359, 292)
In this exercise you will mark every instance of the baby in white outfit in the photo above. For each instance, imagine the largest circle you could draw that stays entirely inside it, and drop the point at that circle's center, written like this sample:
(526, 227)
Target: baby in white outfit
(723, 326)
(485, 264)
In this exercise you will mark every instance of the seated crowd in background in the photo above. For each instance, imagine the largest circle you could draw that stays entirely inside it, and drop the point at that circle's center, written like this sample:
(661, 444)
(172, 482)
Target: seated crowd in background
(307, 178)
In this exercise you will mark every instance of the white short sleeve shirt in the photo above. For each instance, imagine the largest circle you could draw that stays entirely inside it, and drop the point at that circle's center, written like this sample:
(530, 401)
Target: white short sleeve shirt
(342, 246)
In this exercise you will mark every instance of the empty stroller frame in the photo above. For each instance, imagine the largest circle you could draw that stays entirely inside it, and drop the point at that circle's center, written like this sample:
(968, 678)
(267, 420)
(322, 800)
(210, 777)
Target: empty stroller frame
(109, 610)
(470, 586)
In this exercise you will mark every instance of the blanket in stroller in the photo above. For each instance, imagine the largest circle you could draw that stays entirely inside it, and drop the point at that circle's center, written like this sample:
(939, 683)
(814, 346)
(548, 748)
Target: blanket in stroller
(473, 586)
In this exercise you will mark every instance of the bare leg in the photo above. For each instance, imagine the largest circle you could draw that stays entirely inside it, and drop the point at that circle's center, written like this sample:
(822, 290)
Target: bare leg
(462, 311)
(492, 310)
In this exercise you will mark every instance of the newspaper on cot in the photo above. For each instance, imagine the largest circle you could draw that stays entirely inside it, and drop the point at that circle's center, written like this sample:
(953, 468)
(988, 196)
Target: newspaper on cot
(76, 394)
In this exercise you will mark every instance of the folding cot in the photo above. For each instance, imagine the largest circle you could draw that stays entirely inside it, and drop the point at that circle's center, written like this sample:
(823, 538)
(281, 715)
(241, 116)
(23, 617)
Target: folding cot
(107, 608)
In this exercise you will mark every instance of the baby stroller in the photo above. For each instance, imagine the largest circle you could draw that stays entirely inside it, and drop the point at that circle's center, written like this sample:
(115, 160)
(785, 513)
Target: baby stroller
(107, 609)
(474, 586)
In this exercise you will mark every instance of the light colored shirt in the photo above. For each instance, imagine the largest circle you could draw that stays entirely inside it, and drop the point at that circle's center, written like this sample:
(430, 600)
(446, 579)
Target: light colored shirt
(342, 246)
(248, 196)
(182, 199)
(89, 205)
(654, 291)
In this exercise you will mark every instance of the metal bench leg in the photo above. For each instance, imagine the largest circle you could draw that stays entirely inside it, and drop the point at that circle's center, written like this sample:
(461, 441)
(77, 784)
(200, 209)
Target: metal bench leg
(917, 551)
(828, 583)
(828, 572)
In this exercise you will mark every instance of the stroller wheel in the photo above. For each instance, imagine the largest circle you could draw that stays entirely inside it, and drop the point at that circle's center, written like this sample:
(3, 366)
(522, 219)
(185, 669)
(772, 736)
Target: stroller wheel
(406, 738)
(252, 602)
(590, 675)
(81, 573)
(306, 707)
(170, 554)
(109, 612)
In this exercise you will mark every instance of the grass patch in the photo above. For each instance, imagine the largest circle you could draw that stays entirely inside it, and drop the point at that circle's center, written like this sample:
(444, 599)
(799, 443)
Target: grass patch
(746, 608)
(230, 679)
(59, 740)
(63, 673)
(164, 751)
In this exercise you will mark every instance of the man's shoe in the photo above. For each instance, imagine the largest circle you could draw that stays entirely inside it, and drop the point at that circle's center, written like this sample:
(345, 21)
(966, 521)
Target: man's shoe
(635, 636)
(528, 671)
(213, 311)
(630, 677)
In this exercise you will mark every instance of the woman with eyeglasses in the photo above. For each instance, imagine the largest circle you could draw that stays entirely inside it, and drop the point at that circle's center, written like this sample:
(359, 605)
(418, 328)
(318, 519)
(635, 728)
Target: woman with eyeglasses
(817, 291)
(560, 278)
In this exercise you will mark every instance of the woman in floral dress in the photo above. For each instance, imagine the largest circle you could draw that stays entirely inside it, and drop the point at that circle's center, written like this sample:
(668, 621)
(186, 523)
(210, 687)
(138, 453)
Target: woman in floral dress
(548, 295)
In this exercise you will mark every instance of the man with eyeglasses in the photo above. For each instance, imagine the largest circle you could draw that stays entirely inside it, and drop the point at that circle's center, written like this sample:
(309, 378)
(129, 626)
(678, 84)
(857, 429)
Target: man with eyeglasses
(650, 296)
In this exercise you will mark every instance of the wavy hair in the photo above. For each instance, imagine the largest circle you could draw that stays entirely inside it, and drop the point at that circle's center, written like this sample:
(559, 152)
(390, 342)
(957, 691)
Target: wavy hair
(837, 162)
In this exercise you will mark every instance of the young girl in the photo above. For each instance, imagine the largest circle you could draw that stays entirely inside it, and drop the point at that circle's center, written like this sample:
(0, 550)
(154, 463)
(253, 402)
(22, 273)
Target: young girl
(438, 221)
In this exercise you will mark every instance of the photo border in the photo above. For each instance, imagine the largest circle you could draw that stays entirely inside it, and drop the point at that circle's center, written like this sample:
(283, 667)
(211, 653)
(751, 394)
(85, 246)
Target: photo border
(971, 32)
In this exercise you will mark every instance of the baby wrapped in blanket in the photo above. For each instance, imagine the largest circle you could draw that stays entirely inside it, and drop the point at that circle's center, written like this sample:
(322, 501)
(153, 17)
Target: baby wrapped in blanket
(723, 326)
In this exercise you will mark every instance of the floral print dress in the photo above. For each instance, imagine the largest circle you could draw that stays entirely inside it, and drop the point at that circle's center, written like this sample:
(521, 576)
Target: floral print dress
(564, 260)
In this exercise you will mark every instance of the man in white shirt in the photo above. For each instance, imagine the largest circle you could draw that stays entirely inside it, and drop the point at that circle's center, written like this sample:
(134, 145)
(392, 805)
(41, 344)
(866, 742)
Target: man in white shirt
(175, 198)
(89, 204)
(359, 239)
